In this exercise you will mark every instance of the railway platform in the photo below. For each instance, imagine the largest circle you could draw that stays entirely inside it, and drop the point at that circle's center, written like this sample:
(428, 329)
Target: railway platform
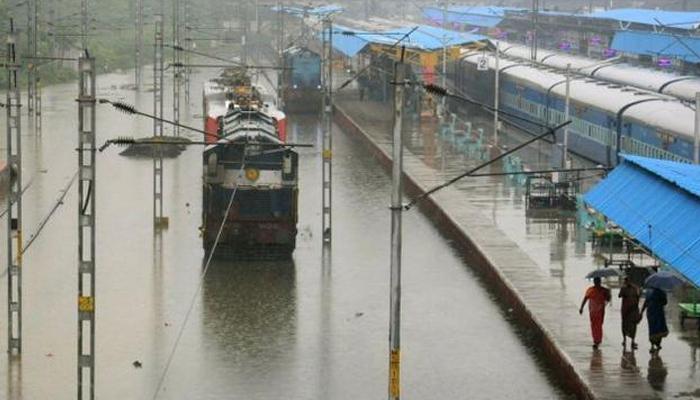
(534, 266)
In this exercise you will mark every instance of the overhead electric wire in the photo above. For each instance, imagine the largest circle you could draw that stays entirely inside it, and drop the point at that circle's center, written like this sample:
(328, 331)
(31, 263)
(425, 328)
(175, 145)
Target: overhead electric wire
(360, 72)
(45, 220)
(24, 189)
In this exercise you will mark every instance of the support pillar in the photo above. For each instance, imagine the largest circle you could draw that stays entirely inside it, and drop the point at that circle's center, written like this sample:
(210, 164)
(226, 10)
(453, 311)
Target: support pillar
(86, 228)
(159, 220)
(13, 106)
(327, 153)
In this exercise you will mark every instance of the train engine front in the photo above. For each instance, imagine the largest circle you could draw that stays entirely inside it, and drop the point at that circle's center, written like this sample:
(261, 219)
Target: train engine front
(250, 187)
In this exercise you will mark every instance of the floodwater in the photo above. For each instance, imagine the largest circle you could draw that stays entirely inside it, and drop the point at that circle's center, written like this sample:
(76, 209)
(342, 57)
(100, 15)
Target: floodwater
(303, 329)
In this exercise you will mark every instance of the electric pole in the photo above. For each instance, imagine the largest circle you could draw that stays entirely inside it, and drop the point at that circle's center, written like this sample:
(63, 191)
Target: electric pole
(13, 104)
(396, 217)
(86, 228)
(159, 220)
(280, 54)
(534, 28)
(327, 153)
(139, 44)
(177, 67)
(188, 46)
(32, 15)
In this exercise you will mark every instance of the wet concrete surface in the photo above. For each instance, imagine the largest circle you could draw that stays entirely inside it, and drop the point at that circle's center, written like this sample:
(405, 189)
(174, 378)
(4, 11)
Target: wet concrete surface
(303, 329)
(545, 258)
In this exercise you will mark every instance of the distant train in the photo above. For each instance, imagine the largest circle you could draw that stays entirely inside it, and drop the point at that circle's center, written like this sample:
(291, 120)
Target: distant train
(301, 80)
(683, 87)
(606, 117)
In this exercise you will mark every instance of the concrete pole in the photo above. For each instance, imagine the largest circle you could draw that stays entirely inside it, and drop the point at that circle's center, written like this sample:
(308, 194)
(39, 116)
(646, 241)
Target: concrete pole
(280, 54)
(86, 228)
(327, 154)
(535, 16)
(396, 210)
(84, 27)
(497, 92)
(444, 14)
(159, 219)
(696, 143)
(177, 69)
(13, 106)
(443, 81)
(567, 113)
(139, 44)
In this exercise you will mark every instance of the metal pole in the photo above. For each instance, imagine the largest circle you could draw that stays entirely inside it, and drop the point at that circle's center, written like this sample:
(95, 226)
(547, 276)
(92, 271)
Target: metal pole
(188, 46)
(32, 14)
(50, 28)
(280, 54)
(158, 76)
(567, 112)
(444, 14)
(37, 106)
(244, 31)
(497, 94)
(396, 210)
(139, 44)
(535, 17)
(696, 143)
(86, 228)
(84, 23)
(328, 127)
(443, 81)
(13, 106)
(177, 70)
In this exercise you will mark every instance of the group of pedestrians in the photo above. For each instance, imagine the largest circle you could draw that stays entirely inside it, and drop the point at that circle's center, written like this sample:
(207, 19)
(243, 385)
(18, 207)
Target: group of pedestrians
(655, 300)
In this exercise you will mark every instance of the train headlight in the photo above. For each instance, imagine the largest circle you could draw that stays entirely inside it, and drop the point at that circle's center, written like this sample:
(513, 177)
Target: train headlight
(252, 174)
(295, 86)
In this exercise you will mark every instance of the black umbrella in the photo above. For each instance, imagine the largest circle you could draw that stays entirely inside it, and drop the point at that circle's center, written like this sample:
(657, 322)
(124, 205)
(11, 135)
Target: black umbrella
(603, 273)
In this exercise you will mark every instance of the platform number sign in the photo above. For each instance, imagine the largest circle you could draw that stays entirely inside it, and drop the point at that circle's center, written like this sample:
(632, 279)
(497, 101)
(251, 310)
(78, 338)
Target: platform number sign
(482, 64)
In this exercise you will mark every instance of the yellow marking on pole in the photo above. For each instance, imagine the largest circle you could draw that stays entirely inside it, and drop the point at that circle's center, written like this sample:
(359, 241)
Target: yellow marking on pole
(19, 248)
(86, 303)
(394, 373)
(327, 154)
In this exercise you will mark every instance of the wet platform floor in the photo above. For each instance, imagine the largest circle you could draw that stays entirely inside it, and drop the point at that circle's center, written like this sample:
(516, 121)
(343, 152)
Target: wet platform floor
(545, 259)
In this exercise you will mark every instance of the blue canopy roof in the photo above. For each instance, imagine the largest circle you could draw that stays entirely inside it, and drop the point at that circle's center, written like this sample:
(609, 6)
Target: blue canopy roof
(316, 11)
(482, 16)
(429, 38)
(658, 203)
(674, 19)
(347, 44)
(658, 44)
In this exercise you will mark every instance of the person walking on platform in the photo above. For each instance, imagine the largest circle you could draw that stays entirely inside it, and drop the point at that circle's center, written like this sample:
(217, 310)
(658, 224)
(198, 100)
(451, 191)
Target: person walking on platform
(597, 297)
(629, 293)
(654, 303)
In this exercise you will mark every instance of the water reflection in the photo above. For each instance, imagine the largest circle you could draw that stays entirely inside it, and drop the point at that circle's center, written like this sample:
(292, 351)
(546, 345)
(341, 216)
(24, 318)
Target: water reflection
(656, 375)
(628, 361)
(14, 378)
(249, 314)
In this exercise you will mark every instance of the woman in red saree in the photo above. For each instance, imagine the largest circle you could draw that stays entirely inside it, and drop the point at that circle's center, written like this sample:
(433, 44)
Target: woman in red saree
(597, 297)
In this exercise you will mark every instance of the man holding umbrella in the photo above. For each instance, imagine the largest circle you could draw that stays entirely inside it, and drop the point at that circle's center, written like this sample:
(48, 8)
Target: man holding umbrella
(597, 298)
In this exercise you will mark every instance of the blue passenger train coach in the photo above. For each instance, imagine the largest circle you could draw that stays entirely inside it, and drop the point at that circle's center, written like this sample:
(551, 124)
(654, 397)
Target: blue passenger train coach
(607, 118)
(301, 80)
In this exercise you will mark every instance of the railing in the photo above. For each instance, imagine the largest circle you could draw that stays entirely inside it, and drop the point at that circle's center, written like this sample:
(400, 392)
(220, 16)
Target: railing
(631, 145)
